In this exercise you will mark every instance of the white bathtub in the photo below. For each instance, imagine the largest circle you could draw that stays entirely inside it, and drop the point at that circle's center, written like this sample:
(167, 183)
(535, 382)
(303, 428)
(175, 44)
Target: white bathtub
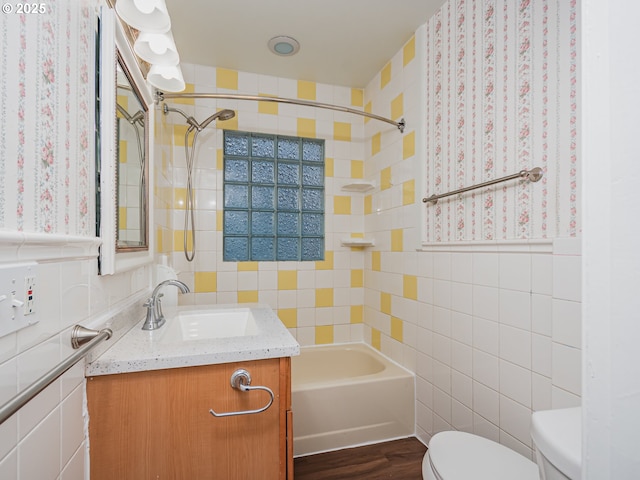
(347, 395)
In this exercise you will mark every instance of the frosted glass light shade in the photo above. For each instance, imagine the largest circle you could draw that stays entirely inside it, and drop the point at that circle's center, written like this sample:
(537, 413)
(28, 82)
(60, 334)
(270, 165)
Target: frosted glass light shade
(167, 78)
(145, 15)
(157, 48)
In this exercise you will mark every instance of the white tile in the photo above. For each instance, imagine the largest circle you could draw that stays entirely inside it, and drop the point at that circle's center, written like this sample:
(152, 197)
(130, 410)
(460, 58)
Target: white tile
(442, 265)
(541, 314)
(424, 367)
(515, 345)
(515, 419)
(541, 355)
(462, 388)
(442, 349)
(567, 323)
(567, 277)
(486, 369)
(542, 274)
(540, 392)
(567, 368)
(8, 435)
(425, 341)
(247, 280)
(442, 376)
(462, 327)
(442, 404)
(515, 271)
(486, 429)
(515, 445)
(8, 380)
(72, 424)
(462, 267)
(9, 466)
(486, 302)
(461, 417)
(424, 392)
(74, 469)
(515, 383)
(515, 309)
(462, 358)
(486, 335)
(486, 402)
(462, 297)
(442, 293)
(442, 321)
(562, 399)
(567, 246)
(43, 444)
(485, 269)
(424, 418)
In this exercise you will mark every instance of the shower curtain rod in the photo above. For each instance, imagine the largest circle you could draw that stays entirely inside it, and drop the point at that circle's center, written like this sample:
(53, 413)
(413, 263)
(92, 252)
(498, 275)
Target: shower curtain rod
(162, 96)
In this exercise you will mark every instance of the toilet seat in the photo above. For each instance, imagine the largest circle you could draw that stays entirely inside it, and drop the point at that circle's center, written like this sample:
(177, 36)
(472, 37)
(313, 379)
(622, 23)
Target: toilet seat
(460, 456)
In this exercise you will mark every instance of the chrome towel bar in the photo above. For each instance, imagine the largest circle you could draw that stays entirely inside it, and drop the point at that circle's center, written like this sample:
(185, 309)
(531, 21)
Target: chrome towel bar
(241, 380)
(79, 336)
(532, 175)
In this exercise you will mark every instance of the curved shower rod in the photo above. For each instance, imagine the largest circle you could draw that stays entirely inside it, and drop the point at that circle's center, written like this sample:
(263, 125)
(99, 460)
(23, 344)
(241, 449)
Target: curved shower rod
(161, 96)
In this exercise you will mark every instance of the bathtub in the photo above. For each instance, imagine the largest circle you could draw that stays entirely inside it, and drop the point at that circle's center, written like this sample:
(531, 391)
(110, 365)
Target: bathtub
(348, 395)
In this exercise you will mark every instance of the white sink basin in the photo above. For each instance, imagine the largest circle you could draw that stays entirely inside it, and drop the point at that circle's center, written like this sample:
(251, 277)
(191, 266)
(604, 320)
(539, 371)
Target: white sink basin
(209, 324)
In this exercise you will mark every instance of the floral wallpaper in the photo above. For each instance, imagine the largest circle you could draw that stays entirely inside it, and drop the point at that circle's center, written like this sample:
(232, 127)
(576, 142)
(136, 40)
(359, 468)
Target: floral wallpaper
(502, 97)
(47, 97)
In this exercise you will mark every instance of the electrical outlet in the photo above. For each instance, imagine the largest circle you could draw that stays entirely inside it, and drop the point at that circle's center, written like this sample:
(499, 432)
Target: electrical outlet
(17, 297)
(29, 294)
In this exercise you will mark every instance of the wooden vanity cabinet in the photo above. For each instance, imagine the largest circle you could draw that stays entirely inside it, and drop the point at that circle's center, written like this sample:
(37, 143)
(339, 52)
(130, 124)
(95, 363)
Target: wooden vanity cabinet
(156, 424)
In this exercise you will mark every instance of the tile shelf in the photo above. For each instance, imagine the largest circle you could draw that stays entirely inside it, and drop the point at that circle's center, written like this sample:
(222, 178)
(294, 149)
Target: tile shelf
(358, 242)
(358, 186)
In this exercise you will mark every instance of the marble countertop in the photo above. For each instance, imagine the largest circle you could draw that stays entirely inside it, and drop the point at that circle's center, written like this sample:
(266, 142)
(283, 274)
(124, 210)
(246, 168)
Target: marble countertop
(139, 350)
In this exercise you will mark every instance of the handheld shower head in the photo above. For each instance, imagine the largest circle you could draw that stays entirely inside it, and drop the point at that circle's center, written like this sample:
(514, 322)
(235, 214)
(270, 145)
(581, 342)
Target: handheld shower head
(223, 115)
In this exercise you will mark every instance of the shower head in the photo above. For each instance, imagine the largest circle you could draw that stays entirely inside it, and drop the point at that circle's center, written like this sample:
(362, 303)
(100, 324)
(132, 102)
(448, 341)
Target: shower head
(223, 115)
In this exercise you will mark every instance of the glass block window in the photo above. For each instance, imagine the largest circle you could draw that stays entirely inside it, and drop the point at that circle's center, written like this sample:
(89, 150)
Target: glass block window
(273, 197)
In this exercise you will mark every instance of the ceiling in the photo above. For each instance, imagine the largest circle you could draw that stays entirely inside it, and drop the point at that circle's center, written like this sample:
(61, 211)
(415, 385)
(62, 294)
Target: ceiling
(342, 42)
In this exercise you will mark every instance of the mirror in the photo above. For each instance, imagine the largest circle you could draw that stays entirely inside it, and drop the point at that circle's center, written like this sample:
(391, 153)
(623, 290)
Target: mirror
(131, 159)
(125, 144)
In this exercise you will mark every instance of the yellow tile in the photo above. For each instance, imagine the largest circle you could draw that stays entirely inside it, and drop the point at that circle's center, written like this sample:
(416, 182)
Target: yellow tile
(397, 240)
(287, 280)
(368, 204)
(409, 51)
(357, 235)
(375, 143)
(342, 205)
(396, 329)
(409, 145)
(159, 244)
(328, 167)
(247, 266)
(397, 107)
(306, 90)
(357, 97)
(288, 316)
(367, 108)
(226, 79)
(357, 314)
(324, 297)
(385, 178)
(410, 287)
(342, 131)
(357, 169)
(178, 135)
(248, 296)
(270, 108)
(357, 278)
(205, 282)
(409, 192)
(122, 218)
(122, 151)
(220, 159)
(178, 240)
(219, 223)
(231, 124)
(375, 261)
(324, 334)
(327, 263)
(188, 88)
(123, 101)
(385, 303)
(375, 338)
(385, 75)
(179, 198)
(307, 127)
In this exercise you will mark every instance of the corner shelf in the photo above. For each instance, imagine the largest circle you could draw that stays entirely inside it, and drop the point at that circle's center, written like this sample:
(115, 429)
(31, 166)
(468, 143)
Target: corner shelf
(358, 186)
(358, 242)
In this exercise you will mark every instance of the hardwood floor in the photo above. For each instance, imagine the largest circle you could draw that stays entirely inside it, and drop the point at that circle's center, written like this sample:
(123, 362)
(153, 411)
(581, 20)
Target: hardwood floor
(398, 459)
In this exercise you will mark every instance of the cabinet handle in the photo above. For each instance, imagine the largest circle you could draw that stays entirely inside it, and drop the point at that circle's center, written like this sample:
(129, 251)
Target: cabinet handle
(241, 380)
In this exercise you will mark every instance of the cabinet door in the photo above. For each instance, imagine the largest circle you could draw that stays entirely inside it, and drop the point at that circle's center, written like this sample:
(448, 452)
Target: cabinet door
(157, 425)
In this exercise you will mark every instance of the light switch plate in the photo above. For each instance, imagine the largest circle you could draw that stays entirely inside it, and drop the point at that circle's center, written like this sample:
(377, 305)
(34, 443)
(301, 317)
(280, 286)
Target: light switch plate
(18, 298)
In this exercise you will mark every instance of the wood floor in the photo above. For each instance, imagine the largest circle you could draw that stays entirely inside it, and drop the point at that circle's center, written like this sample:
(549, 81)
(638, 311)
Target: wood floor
(399, 459)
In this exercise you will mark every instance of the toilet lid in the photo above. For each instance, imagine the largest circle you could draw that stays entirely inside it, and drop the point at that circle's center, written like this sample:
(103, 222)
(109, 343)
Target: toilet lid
(461, 456)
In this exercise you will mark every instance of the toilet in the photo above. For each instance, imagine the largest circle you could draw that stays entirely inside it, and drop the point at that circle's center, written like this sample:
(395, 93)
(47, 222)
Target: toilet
(556, 434)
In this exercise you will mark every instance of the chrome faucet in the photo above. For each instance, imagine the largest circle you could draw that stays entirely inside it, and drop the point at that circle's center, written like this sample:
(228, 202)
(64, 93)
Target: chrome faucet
(155, 318)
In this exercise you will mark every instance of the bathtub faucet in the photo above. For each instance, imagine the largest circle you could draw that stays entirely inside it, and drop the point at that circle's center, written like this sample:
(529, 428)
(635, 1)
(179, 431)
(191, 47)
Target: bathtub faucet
(155, 318)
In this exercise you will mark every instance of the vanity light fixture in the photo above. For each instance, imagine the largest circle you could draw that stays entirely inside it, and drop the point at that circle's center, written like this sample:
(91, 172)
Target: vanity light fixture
(167, 78)
(284, 46)
(157, 48)
(145, 15)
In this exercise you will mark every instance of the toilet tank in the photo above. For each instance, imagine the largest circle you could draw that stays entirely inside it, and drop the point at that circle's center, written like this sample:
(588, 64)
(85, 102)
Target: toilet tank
(557, 436)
